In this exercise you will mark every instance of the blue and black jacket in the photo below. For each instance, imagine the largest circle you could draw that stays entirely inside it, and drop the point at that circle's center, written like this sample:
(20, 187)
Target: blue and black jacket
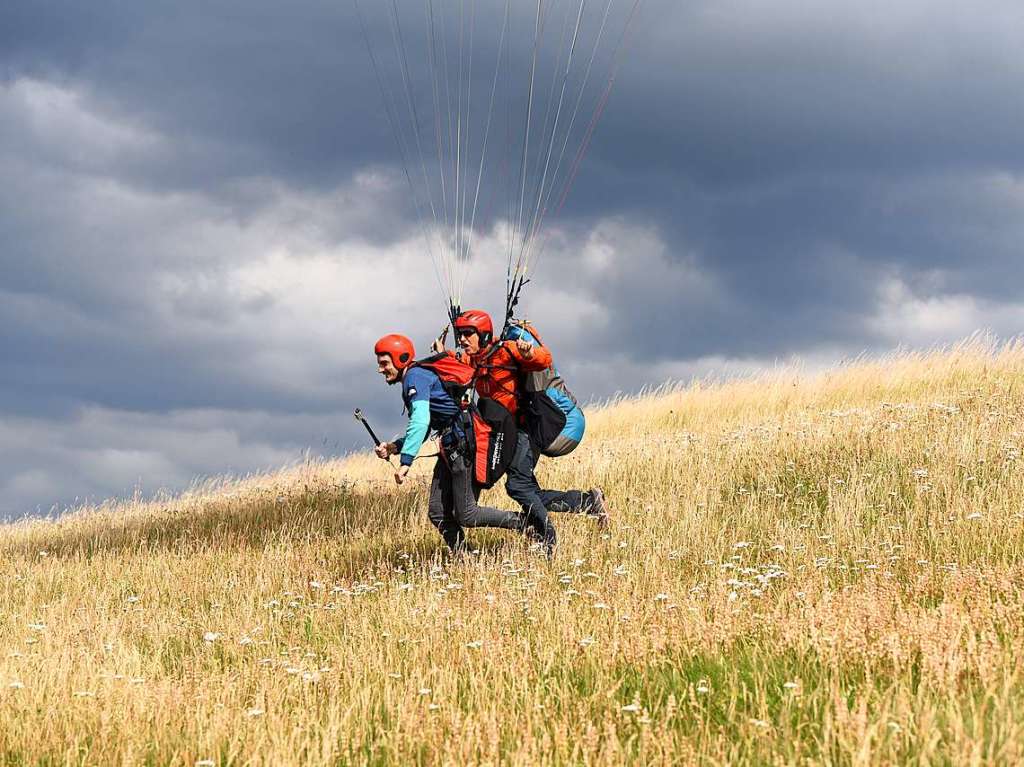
(430, 408)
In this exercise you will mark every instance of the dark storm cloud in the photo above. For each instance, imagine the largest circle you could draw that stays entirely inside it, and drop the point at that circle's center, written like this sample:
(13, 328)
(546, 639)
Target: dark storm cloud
(253, 87)
(201, 201)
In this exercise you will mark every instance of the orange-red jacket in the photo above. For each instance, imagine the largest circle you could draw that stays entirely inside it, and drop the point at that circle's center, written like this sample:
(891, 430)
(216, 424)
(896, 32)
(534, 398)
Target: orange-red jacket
(498, 367)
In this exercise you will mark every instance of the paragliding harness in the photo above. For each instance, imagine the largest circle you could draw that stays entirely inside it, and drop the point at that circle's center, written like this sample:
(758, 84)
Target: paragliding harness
(551, 414)
(488, 430)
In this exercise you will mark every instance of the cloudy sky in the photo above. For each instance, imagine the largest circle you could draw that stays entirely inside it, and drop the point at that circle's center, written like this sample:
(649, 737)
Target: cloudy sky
(204, 222)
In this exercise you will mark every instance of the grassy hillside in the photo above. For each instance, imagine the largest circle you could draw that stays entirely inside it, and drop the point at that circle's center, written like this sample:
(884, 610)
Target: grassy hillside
(800, 569)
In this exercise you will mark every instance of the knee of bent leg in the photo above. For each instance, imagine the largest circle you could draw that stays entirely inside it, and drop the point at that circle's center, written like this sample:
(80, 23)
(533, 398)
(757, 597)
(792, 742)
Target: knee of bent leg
(465, 517)
(518, 488)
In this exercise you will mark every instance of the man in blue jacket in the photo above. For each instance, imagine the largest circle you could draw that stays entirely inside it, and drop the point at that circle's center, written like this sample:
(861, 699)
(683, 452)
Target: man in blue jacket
(453, 494)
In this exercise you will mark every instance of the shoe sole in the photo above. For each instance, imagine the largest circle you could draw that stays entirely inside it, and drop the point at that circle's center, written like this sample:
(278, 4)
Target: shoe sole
(600, 510)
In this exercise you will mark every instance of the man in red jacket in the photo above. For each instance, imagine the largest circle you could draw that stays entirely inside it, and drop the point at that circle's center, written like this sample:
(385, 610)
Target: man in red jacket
(499, 366)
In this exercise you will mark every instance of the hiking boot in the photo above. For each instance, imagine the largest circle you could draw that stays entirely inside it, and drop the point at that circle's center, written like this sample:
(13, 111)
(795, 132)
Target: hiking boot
(599, 509)
(549, 541)
(542, 537)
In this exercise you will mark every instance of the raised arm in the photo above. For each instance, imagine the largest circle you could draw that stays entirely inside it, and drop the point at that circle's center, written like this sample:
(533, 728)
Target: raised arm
(529, 354)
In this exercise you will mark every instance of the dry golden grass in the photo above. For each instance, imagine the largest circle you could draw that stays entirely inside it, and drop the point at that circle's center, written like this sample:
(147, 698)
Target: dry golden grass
(801, 569)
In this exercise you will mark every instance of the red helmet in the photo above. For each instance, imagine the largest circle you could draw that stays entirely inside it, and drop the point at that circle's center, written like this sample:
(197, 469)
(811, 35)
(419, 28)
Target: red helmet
(478, 320)
(400, 349)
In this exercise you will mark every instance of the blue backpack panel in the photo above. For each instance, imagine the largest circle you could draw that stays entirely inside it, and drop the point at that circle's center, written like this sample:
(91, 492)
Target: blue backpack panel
(554, 419)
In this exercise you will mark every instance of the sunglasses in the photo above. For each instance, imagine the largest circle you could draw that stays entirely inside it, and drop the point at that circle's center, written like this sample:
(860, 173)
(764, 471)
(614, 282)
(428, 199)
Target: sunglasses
(465, 332)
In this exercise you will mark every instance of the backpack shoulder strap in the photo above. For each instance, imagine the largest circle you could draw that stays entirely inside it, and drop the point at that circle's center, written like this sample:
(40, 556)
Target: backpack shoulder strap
(449, 368)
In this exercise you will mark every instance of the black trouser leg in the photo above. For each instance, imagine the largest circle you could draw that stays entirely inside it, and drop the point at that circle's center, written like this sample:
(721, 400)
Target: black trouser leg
(566, 501)
(441, 505)
(522, 486)
(465, 509)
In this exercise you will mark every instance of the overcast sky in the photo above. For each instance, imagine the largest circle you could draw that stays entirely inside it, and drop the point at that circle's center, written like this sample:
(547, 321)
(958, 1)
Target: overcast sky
(204, 224)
